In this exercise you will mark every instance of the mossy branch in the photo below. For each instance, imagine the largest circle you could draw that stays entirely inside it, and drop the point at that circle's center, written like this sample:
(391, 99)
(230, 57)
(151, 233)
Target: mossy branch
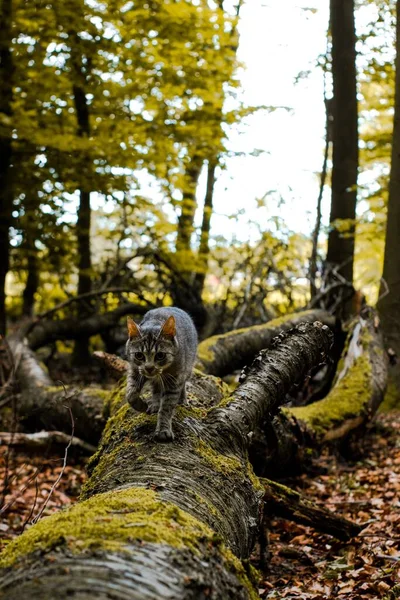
(359, 388)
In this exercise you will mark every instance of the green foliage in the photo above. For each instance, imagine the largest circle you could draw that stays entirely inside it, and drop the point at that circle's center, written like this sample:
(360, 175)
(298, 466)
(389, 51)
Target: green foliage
(155, 77)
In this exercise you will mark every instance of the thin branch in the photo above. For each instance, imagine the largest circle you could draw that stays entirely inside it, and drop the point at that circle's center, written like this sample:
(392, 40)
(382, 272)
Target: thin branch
(55, 484)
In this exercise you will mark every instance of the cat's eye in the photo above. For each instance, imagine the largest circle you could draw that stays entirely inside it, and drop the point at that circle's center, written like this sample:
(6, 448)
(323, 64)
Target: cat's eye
(160, 355)
(139, 356)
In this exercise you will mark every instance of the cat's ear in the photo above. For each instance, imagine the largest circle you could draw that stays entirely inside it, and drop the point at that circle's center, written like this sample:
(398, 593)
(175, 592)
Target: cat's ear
(133, 329)
(169, 327)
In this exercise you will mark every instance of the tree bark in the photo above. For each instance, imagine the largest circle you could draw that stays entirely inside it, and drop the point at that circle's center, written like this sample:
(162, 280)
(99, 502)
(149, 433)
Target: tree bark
(223, 354)
(166, 521)
(340, 254)
(188, 206)
(389, 302)
(281, 445)
(6, 195)
(204, 248)
(81, 355)
(29, 247)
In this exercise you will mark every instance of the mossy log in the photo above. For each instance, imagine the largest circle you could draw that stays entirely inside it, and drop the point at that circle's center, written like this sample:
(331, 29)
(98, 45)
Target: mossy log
(166, 520)
(222, 354)
(353, 401)
(43, 405)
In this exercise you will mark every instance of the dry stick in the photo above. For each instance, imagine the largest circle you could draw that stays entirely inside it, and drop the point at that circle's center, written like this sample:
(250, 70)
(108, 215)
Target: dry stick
(28, 518)
(55, 484)
(289, 504)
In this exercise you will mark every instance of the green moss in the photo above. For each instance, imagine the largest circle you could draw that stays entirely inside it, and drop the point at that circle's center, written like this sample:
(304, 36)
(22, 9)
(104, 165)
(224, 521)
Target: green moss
(115, 399)
(347, 399)
(205, 349)
(182, 412)
(109, 521)
(112, 521)
(118, 434)
(227, 465)
(391, 400)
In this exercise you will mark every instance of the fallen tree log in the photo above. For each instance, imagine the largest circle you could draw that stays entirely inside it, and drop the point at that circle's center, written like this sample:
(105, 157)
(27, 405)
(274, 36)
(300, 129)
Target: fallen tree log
(42, 403)
(353, 401)
(166, 521)
(223, 354)
(45, 441)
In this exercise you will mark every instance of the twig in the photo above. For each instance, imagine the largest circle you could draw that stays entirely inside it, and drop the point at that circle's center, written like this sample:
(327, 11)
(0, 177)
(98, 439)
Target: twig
(28, 518)
(55, 484)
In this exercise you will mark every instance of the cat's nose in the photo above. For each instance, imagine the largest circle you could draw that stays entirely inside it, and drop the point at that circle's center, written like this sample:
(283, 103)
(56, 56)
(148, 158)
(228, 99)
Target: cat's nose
(150, 369)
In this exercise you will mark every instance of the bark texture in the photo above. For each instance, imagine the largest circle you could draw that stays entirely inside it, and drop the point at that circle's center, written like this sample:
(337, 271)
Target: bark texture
(166, 521)
(389, 304)
(358, 391)
(222, 354)
(344, 137)
(81, 349)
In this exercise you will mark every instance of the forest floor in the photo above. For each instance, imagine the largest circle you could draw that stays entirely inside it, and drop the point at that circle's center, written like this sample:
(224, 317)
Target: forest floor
(304, 564)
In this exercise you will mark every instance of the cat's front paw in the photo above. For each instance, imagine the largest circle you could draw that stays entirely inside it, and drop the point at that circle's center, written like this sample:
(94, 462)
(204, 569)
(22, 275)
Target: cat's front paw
(153, 408)
(136, 403)
(164, 436)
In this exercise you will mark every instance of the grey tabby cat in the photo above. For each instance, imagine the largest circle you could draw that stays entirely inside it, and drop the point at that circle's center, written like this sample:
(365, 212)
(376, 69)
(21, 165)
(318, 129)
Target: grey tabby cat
(161, 350)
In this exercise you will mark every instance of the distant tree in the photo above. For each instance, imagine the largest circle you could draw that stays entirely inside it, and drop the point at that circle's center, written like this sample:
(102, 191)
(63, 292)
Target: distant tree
(340, 255)
(389, 303)
(6, 194)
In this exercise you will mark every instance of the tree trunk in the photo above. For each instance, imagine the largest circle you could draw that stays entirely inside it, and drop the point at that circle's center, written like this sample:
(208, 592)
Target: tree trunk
(184, 294)
(29, 247)
(166, 521)
(340, 254)
(81, 355)
(6, 195)
(42, 405)
(389, 303)
(204, 248)
(188, 206)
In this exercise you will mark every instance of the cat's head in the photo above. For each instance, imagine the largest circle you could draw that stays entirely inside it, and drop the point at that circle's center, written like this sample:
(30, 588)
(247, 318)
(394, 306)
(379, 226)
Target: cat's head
(151, 350)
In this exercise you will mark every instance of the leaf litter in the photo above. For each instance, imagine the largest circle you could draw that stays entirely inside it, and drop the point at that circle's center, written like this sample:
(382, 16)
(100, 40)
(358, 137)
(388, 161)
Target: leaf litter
(304, 564)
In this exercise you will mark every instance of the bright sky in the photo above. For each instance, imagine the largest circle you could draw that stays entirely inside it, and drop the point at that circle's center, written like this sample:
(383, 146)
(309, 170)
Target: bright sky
(278, 40)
